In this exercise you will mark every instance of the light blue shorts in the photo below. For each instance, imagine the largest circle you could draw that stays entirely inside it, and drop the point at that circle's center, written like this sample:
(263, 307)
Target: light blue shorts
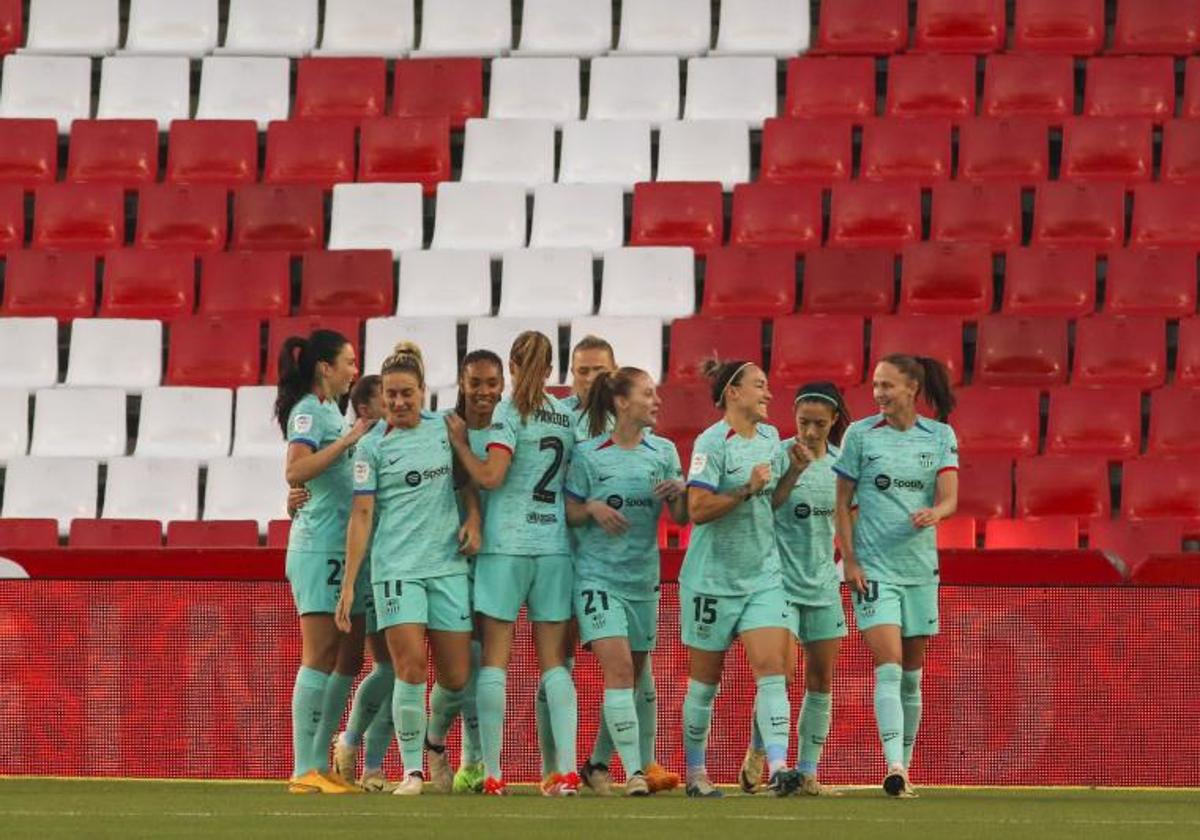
(505, 582)
(712, 622)
(604, 614)
(913, 608)
(440, 603)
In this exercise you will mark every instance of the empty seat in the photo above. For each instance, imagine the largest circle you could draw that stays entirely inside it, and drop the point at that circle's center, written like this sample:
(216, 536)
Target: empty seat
(985, 487)
(115, 352)
(1162, 488)
(770, 27)
(185, 423)
(665, 27)
(956, 532)
(1151, 281)
(1131, 541)
(1018, 350)
(687, 409)
(805, 348)
(14, 423)
(997, 421)
(1187, 360)
(731, 88)
(88, 217)
(12, 217)
(1173, 413)
(11, 31)
(256, 431)
(834, 86)
(546, 283)
(1071, 27)
(28, 152)
(159, 489)
(274, 217)
(806, 150)
(232, 533)
(385, 216)
(271, 27)
(637, 342)
(498, 334)
(588, 216)
(874, 215)
(1107, 149)
(357, 283)
(1050, 281)
(1062, 485)
(1190, 106)
(931, 86)
(486, 217)
(1118, 350)
(317, 152)
(707, 150)
(405, 149)
(213, 152)
(1142, 86)
(1045, 534)
(35, 342)
(1174, 570)
(873, 27)
(658, 282)
(446, 87)
(988, 214)
(605, 152)
(244, 88)
(1004, 150)
(906, 150)
(90, 27)
(172, 27)
(444, 284)
(47, 87)
(634, 88)
(695, 339)
(858, 281)
(535, 89)
(246, 488)
(58, 432)
(1095, 421)
(945, 279)
(50, 283)
(280, 329)
(139, 87)
(148, 284)
(780, 215)
(182, 216)
(223, 290)
(214, 352)
(1181, 151)
(971, 26)
(576, 27)
(278, 531)
(28, 533)
(1164, 215)
(437, 338)
(121, 152)
(340, 88)
(1016, 85)
(368, 27)
(1091, 215)
(1171, 27)
(936, 336)
(678, 214)
(749, 281)
(61, 489)
(466, 27)
(509, 152)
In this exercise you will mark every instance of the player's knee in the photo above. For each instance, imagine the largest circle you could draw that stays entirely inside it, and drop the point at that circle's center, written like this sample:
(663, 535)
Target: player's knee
(819, 680)
(411, 672)
(618, 675)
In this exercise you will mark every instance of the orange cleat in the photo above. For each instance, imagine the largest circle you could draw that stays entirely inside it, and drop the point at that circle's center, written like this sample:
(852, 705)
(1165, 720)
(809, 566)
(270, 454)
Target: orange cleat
(659, 778)
(494, 787)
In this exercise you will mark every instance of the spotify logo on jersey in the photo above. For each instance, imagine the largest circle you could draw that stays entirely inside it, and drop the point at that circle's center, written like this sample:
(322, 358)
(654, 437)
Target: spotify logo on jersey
(412, 478)
(803, 511)
(883, 482)
(615, 502)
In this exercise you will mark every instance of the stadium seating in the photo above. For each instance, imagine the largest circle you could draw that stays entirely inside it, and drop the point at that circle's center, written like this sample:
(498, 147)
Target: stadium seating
(28, 533)
(1006, 150)
(972, 26)
(577, 27)
(115, 353)
(87, 27)
(997, 421)
(46, 86)
(1190, 106)
(1049, 281)
(485, 217)
(657, 282)
(643, 88)
(280, 329)
(1173, 413)
(1187, 360)
(535, 89)
(59, 488)
(1024, 85)
(605, 152)
(1151, 281)
(931, 86)
(1062, 485)
(740, 88)
(160, 489)
(28, 152)
(317, 152)
(244, 88)
(1157, 28)
(704, 150)
(271, 27)
(872, 27)
(915, 150)
(1134, 540)
(234, 533)
(985, 487)
(636, 341)
(1095, 421)
(936, 336)
(79, 217)
(446, 87)
(834, 86)
(678, 214)
(405, 149)
(185, 423)
(11, 29)
(437, 338)
(1052, 532)
(214, 351)
(1108, 149)
(1090, 215)
(546, 282)
(12, 218)
(987, 214)
(256, 432)
(1130, 86)
(60, 284)
(35, 342)
(849, 281)
(357, 283)
(956, 532)
(1165, 215)
(773, 27)
(190, 217)
(695, 339)
(211, 151)
(797, 149)
(1162, 488)
(246, 488)
(340, 88)
(444, 284)
(1117, 350)
(1021, 351)
(1181, 151)
(665, 27)
(367, 27)
(148, 284)
(1173, 570)
(749, 281)
(14, 423)
(278, 531)
(373, 216)
(224, 292)
(58, 433)
(179, 27)
(1073, 27)
(776, 215)
(466, 27)
(945, 279)
(141, 87)
(590, 216)
(268, 217)
(817, 347)
(874, 215)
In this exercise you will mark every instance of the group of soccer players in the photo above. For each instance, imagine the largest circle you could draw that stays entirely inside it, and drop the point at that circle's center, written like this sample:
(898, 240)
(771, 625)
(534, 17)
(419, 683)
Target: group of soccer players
(415, 528)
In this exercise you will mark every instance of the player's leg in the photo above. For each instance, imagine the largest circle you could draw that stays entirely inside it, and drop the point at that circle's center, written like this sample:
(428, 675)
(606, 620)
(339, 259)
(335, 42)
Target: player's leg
(704, 677)
(755, 760)
(920, 621)
(765, 630)
(551, 606)
(816, 710)
(645, 698)
(545, 729)
(371, 712)
(450, 637)
(470, 775)
(406, 641)
(337, 691)
(878, 615)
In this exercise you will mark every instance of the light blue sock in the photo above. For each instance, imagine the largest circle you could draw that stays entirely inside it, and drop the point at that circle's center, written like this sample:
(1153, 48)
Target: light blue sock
(472, 753)
(371, 695)
(645, 698)
(564, 716)
(697, 721)
(308, 700)
(489, 698)
(379, 735)
(337, 691)
(813, 729)
(602, 748)
(408, 710)
(545, 733)
(774, 713)
(622, 721)
(444, 706)
(756, 738)
(910, 701)
(889, 714)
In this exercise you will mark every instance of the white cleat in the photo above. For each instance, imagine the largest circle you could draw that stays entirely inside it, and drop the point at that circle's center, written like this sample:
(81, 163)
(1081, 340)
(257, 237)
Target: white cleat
(441, 776)
(375, 782)
(411, 786)
(637, 785)
(809, 786)
(896, 783)
(750, 776)
(345, 758)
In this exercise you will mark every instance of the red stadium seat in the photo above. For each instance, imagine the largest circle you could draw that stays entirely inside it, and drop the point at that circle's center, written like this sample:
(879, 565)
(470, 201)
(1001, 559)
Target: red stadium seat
(695, 339)
(849, 281)
(783, 216)
(1167, 570)
(148, 284)
(229, 533)
(944, 279)
(871, 27)
(997, 421)
(1190, 107)
(906, 150)
(1142, 86)
(309, 152)
(1132, 541)
(834, 86)
(860, 401)
(121, 152)
(1171, 27)
(439, 87)
(1070, 27)
(816, 347)
(1166, 214)
(12, 217)
(1108, 149)
(1095, 421)
(687, 409)
(1029, 86)
(221, 152)
(1054, 532)
(936, 336)
(960, 26)
(1151, 281)
(987, 214)
(214, 352)
(270, 217)
(757, 282)
(1062, 485)
(193, 217)
(985, 487)
(115, 533)
(679, 213)
(1187, 360)
(1092, 215)
(1163, 488)
(806, 150)
(1181, 151)
(356, 283)
(866, 215)
(11, 33)
(672, 534)
(1050, 281)
(28, 533)
(60, 285)
(1173, 413)
(340, 87)
(280, 329)
(1021, 351)
(1117, 350)
(1014, 151)
(931, 86)
(224, 290)
(28, 152)
(412, 149)
(79, 217)
(277, 533)
(956, 532)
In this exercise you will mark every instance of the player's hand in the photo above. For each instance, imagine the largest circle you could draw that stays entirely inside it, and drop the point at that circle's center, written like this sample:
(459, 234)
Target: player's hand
(854, 576)
(470, 539)
(612, 521)
(800, 456)
(669, 489)
(361, 426)
(341, 616)
(457, 428)
(924, 518)
(760, 477)
(297, 498)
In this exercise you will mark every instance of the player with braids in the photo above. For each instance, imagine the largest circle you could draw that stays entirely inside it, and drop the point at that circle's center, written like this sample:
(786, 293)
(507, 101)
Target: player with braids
(901, 470)
(406, 469)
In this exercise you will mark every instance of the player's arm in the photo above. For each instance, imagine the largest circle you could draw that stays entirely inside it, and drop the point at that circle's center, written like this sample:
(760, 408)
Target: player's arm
(844, 524)
(797, 459)
(945, 500)
(358, 533)
(470, 532)
(305, 462)
(488, 473)
(706, 504)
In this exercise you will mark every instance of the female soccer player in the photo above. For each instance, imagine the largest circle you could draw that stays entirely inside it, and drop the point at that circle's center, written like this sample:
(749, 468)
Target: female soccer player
(418, 568)
(902, 472)
(616, 488)
(314, 373)
(527, 558)
(804, 528)
(731, 583)
(590, 357)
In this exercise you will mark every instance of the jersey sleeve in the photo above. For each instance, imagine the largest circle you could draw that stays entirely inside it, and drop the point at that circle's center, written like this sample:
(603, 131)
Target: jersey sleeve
(302, 427)
(365, 474)
(949, 454)
(579, 479)
(708, 461)
(847, 464)
(673, 470)
(781, 463)
(503, 432)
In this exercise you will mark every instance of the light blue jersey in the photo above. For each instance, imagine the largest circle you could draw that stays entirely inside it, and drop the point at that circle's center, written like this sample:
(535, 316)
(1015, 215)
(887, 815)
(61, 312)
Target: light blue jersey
(736, 554)
(321, 524)
(896, 475)
(624, 479)
(411, 474)
(478, 439)
(526, 516)
(804, 529)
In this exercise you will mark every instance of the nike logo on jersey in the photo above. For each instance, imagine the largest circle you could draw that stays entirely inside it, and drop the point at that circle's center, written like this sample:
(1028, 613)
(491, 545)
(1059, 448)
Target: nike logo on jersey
(393, 462)
(732, 471)
(603, 478)
(873, 458)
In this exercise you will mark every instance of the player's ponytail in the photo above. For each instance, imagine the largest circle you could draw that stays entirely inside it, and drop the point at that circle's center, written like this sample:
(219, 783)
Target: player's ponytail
(601, 403)
(473, 358)
(932, 378)
(828, 394)
(532, 357)
(298, 359)
(723, 376)
(406, 358)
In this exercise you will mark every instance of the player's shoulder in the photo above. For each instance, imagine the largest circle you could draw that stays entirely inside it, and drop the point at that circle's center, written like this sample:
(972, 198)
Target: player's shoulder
(308, 404)
(657, 443)
(714, 435)
(767, 432)
(935, 427)
(589, 447)
(570, 402)
(867, 424)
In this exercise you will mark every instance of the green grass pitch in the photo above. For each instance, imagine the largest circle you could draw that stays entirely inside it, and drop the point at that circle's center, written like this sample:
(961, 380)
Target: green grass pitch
(50, 808)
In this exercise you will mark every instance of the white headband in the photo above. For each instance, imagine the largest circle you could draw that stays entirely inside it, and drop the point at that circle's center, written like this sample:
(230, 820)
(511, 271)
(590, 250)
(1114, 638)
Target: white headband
(814, 395)
(729, 381)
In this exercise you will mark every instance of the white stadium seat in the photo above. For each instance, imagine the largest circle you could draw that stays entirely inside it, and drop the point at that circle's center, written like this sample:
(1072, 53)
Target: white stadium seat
(244, 88)
(144, 87)
(606, 152)
(385, 216)
(566, 27)
(707, 150)
(485, 217)
(69, 27)
(546, 283)
(14, 423)
(731, 88)
(368, 27)
(256, 432)
(588, 216)
(509, 152)
(658, 282)
(466, 27)
(446, 398)
(172, 27)
(246, 488)
(636, 342)
(271, 27)
(35, 342)
(51, 488)
(437, 338)
(665, 27)
(445, 284)
(79, 423)
(115, 352)
(779, 28)
(498, 334)
(55, 87)
(165, 489)
(634, 88)
(185, 423)
(535, 89)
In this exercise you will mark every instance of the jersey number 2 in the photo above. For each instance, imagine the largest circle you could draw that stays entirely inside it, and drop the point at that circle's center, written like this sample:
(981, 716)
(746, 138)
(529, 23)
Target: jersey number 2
(540, 493)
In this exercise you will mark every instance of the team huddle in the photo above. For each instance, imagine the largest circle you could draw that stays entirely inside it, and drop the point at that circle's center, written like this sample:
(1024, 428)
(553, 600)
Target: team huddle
(421, 535)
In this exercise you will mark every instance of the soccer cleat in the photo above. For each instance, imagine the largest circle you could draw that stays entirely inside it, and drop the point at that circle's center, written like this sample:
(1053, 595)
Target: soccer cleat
(337, 780)
(469, 778)
(374, 781)
(310, 782)
(345, 758)
(659, 778)
(809, 786)
(440, 774)
(596, 777)
(699, 787)
(896, 780)
(493, 787)
(784, 782)
(636, 785)
(411, 786)
(751, 773)
(568, 784)
(909, 792)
